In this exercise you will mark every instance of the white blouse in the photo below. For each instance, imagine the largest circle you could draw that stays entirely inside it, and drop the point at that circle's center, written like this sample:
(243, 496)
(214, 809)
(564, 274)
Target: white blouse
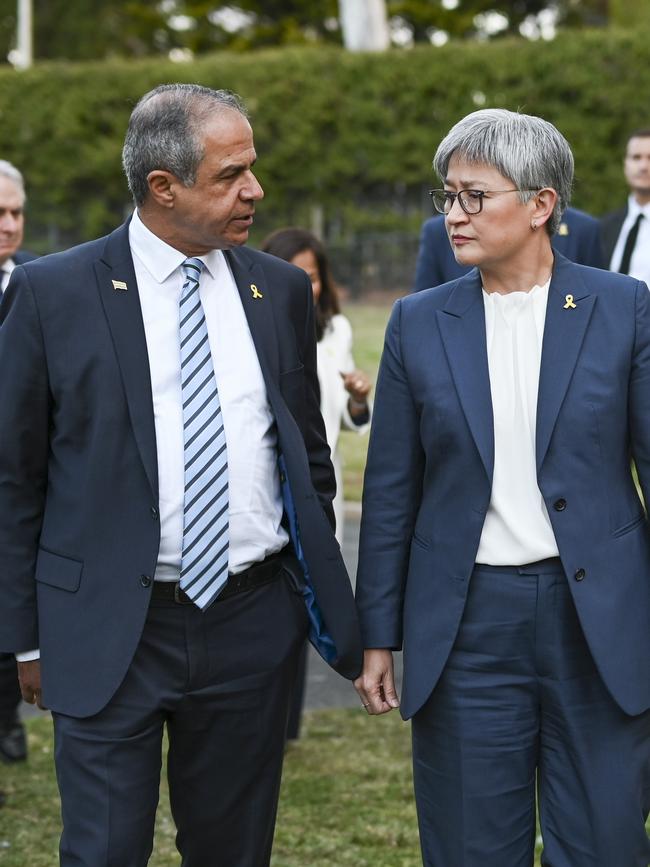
(517, 528)
(335, 357)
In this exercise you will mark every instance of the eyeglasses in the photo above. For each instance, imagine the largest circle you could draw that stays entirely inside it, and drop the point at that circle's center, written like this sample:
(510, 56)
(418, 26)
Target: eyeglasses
(471, 201)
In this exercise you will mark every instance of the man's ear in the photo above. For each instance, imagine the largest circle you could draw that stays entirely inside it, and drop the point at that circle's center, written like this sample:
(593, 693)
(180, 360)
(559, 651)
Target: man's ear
(161, 187)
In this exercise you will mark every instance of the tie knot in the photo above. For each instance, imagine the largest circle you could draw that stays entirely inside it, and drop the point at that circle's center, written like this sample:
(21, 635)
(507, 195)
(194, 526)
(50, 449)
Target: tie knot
(192, 268)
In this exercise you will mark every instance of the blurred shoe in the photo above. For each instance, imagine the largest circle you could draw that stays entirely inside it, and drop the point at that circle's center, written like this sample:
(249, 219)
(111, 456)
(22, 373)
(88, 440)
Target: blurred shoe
(13, 743)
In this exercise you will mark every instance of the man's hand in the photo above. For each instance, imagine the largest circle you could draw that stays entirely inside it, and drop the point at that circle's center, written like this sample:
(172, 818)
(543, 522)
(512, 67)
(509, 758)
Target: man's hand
(29, 677)
(376, 684)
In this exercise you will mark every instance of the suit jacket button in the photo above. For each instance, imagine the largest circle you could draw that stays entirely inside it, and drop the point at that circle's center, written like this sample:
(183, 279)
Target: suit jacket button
(580, 574)
(145, 580)
(560, 505)
(154, 513)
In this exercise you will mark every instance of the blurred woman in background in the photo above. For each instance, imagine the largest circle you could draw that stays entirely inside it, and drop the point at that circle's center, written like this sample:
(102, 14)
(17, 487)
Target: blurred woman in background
(344, 390)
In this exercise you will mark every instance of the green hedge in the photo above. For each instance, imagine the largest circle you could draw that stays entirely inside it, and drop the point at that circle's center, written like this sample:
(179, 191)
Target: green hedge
(352, 133)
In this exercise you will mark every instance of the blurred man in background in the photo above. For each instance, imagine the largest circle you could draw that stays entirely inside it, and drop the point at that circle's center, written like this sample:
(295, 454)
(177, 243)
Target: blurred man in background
(13, 746)
(626, 232)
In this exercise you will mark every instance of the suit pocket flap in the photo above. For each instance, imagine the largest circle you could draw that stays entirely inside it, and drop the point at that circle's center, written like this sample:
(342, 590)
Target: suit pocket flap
(58, 571)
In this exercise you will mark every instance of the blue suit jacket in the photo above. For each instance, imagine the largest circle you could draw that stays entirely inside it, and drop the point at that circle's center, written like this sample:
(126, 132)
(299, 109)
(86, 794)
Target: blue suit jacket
(578, 239)
(78, 467)
(23, 256)
(429, 473)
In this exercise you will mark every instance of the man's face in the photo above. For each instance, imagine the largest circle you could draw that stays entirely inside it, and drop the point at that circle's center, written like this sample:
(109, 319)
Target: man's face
(12, 201)
(637, 167)
(217, 211)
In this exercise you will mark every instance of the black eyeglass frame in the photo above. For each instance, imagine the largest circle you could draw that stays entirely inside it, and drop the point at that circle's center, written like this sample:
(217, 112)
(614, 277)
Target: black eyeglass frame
(477, 196)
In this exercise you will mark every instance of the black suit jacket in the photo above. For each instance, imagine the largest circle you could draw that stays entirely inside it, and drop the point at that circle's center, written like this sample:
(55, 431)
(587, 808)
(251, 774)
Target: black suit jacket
(78, 472)
(610, 228)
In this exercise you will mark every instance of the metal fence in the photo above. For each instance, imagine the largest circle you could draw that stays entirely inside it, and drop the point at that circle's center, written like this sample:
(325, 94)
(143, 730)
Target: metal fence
(377, 262)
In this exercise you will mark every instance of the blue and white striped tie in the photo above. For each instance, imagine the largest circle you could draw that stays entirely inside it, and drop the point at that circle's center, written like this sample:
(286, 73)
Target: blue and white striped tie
(204, 559)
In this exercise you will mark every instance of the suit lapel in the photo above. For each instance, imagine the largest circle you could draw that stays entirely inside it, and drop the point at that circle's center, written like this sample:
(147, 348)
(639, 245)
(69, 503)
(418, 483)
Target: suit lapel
(124, 315)
(462, 326)
(564, 332)
(256, 299)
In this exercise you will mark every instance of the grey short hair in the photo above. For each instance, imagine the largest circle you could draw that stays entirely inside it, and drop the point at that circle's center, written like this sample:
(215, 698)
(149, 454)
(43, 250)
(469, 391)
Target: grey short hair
(527, 150)
(164, 132)
(7, 170)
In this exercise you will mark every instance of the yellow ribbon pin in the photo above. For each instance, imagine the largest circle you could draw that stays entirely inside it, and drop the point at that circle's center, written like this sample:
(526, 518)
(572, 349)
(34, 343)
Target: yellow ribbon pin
(256, 292)
(569, 302)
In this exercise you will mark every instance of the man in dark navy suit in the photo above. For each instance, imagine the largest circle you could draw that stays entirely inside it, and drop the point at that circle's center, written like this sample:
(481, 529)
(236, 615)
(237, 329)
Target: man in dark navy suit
(166, 521)
(13, 745)
(577, 238)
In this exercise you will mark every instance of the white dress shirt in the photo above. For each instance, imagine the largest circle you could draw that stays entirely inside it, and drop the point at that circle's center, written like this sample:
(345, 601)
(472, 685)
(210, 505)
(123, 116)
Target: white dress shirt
(640, 261)
(5, 274)
(255, 502)
(517, 528)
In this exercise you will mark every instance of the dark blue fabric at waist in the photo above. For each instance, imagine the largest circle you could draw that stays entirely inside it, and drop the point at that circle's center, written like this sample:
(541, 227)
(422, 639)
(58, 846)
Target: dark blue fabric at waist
(541, 567)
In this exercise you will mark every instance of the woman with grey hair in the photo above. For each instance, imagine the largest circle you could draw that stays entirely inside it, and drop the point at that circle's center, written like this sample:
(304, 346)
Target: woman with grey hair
(504, 545)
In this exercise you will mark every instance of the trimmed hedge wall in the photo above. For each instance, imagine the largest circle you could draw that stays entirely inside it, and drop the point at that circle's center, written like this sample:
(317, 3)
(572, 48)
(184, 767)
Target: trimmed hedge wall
(352, 133)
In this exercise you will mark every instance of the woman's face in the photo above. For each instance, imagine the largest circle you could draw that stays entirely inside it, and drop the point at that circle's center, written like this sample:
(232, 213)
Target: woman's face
(501, 231)
(307, 261)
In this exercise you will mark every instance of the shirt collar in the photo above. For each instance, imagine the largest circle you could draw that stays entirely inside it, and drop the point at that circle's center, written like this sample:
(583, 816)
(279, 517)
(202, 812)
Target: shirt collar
(159, 258)
(538, 290)
(634, 208)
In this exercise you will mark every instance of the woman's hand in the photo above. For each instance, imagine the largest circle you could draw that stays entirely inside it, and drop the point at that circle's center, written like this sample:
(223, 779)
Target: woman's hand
(376, 684)
(358, 386)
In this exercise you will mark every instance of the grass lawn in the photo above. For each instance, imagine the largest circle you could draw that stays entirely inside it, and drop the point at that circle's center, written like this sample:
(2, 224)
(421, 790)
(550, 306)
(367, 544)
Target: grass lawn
(368, 326)
(346, 799)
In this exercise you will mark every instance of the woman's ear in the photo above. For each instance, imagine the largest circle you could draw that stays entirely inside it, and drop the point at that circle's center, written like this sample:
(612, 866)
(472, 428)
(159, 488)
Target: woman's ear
(543, 203)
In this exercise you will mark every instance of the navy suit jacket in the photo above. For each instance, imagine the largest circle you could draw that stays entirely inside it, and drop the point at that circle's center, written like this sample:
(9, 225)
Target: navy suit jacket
(23, 256)
(578, 239)
(610, 228)
(430, 464)
(78, 470)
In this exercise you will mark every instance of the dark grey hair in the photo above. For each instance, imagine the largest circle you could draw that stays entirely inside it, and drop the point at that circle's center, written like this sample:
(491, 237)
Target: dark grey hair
(7, 170)
(527, 150)
(164, 132)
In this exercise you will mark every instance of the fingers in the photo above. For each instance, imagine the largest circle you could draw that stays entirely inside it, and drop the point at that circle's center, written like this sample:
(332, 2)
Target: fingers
(376, 685)
(29, 678)
(29, 695)
(356, 384)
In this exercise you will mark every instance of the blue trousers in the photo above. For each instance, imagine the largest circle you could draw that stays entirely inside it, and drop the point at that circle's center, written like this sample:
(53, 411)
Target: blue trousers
(220, 682)
(521, 717)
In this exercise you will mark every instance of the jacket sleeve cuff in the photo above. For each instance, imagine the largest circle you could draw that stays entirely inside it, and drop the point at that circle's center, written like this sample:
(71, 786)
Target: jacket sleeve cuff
(28, 655)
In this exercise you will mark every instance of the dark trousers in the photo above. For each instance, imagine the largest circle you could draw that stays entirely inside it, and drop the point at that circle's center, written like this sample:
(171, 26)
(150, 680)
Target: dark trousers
(9, 688)
(521, 709)
(298, 695)
(220, 681)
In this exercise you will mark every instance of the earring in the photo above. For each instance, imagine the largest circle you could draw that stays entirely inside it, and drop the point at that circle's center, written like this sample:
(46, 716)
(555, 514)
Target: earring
(533, 225)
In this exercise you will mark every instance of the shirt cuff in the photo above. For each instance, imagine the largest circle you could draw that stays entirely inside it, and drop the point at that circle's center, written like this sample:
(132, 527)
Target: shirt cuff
(28, 655)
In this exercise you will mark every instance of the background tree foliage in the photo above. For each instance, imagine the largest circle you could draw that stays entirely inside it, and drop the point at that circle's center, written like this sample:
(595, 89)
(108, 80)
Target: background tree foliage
(94, 29)
(351, 135)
